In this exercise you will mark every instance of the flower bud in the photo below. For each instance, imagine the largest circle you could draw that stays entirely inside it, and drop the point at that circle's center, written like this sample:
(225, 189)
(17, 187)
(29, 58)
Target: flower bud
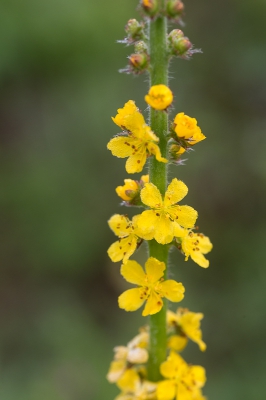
(174, 8)
(141, 47)
(179, 45)
(174, 35)
(182, 46)
(150, 7)
(176, 151)
(130, 191)
(138, 62)
(134, 30)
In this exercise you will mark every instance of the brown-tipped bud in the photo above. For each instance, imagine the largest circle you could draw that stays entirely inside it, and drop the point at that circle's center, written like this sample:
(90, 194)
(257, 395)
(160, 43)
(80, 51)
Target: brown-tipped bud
(175, 35)
(150, 7)
(182, 46)
(174, 8)
(141, 47)
(178, 43)
(138, 62)
(134, 30)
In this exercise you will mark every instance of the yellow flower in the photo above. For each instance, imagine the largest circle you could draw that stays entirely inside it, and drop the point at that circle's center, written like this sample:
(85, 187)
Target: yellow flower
(131, 188)
(183, 381)
(127, 232)
(134, 389)
(122, 113)
(138, 143)
(134, 353)
(151, 287)
(159, 97)
(196, 245)
(188, 323)
(186, 128)
(164, 219)
(127, 191)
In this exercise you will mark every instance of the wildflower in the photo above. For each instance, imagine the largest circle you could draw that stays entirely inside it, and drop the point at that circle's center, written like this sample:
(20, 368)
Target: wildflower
(183, 381)
(186, 128)
(196, 245)
(122, 113)
(151, 287)
(130, 191)
(188, 323)
(134, 353)
(159, 97)
(128, 241)
(133, 388)
(161, 221)
(137, 143)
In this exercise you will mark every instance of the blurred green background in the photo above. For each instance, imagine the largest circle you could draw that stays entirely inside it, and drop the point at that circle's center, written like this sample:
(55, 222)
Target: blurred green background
(58, 289)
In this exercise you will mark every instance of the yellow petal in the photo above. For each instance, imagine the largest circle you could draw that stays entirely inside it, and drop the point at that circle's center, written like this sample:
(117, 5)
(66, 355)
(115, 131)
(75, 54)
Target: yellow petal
(115, 371)
(130, 185)
(155, 150)
(153, 305)
(205, 244)
(133, 273)
(151, 196)
(146, 223)
(154, 269)
(164, 230)
(175, 192)
(121, 146)
(140, 233)
(129, 108)
(136, 161)
(199, 259)
(172, 290)
(118, 223)
(166, 390)
(131, 299)
(199, 375)
(123, 249)
(179, 232)
(150, 135)
(135, 123)
(186, 216)
(159, 97)
(130, 381)
(145, 178)
(177, 343)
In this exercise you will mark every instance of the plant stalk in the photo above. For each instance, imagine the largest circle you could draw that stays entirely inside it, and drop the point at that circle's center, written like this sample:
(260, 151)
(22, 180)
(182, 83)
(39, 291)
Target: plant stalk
(158, 176)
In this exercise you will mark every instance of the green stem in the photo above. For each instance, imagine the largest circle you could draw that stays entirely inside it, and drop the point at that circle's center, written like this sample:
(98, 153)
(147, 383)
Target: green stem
(157, 172)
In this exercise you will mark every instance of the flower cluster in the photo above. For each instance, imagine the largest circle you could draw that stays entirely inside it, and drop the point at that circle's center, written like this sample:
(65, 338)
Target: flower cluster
(168, 223)
(150, 367)
(181, 381)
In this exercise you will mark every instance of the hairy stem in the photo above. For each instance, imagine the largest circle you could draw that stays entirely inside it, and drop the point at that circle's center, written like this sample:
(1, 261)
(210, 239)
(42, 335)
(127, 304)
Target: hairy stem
(157, 172)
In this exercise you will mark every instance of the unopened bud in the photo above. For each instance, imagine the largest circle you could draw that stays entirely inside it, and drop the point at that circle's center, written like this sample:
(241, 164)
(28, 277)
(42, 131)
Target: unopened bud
(134, 30)
(174, 8)
(138, 62)
(150, 7)
(141, 47)
(178, 43)
(175, 35)
(182, 46)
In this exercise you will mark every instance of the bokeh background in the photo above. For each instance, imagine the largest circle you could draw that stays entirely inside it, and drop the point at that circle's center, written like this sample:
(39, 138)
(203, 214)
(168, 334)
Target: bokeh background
(58, 289)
